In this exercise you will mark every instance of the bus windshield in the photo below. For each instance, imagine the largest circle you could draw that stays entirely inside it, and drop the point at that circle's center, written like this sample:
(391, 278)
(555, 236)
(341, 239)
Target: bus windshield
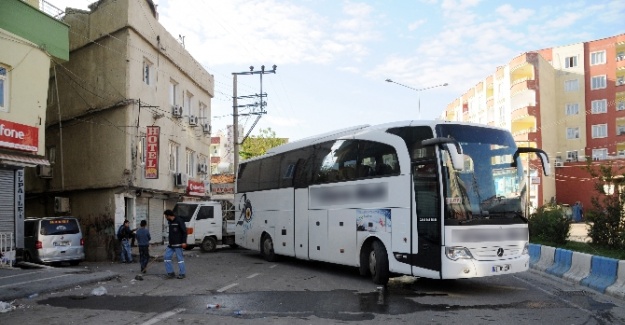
(491, 188)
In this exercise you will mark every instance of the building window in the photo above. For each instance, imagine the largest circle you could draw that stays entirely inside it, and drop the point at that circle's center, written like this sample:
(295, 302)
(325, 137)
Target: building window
(620, 105)
(173, 90)
(572, 109)
(572, 133)
(571, 156)
(597, 57)
(174, 149)
(570, 62)
(141, 149)
(4, 89)
(51, 155)
(598, 82)
(188, 99)
(191, 163)
(203, 113)
(599, 106)
(599, 131)
(147, 72)
(571, 85)
(620, 129)
(599, 154)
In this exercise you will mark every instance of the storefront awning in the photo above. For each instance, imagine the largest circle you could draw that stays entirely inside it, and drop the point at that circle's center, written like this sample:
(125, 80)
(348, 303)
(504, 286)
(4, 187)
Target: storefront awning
(22, 160)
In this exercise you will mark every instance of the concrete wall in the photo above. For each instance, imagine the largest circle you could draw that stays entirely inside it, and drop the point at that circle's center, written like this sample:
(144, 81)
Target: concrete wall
(548, 110)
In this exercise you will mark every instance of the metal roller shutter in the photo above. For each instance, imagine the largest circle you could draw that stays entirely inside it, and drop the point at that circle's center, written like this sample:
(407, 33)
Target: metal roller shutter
(7, 200)
(156, 220)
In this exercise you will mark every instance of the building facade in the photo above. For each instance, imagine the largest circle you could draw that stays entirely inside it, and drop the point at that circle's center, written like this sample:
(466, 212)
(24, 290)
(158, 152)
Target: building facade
(30, 43)
(568, 101)
(128, 125)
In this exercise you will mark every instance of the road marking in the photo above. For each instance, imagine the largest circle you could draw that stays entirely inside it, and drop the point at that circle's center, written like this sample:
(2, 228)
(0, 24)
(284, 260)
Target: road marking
(253, 275)
(162, 316)
(21, 274)
(271, 267)
(227, 287)
(31, 281)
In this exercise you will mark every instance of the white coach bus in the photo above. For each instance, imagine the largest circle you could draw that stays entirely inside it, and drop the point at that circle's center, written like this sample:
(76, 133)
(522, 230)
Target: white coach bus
(433, 199)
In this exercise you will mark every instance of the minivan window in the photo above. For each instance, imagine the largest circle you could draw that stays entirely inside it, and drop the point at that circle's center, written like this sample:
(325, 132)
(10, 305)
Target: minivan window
(59, 227)
(185, 211)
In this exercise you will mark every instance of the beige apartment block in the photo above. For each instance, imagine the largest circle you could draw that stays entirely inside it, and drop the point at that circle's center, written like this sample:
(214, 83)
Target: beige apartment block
(567, 100)
(128, 125)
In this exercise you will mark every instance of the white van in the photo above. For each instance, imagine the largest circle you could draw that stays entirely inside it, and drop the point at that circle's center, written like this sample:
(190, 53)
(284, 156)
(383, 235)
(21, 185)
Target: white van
(53, 240)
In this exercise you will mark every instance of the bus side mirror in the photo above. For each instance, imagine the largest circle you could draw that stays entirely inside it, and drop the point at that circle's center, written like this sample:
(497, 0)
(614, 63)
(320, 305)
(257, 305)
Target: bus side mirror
(456, 156)
(544, 159)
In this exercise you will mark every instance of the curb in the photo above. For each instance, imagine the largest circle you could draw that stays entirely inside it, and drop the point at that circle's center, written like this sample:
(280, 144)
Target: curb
(603, 274)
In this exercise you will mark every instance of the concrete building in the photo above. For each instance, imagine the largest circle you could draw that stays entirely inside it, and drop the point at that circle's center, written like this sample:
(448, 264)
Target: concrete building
(567, 100)
(30, 42)
(128, 125)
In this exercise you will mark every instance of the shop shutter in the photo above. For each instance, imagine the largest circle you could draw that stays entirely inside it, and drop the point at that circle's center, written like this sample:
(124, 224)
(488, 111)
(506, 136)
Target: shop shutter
(7, 200)
(156, 220)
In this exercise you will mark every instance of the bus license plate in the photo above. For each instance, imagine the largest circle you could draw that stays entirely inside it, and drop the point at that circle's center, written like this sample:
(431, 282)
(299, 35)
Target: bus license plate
(501, 268)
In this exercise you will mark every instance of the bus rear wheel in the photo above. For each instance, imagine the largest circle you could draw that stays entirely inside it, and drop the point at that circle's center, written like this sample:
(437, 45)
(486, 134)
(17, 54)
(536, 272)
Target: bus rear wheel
(378, 263)
(266, 249)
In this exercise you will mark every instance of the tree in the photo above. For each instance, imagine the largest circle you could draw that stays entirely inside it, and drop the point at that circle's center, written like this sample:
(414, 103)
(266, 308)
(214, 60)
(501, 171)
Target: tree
(607, 220)
(258, 145)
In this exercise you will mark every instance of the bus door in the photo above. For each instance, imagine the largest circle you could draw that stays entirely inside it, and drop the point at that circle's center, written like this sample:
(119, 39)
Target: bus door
(426, 227)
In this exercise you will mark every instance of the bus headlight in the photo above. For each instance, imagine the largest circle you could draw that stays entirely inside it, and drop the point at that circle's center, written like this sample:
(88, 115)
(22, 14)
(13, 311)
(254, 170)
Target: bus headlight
(526, 249)
(458, 252)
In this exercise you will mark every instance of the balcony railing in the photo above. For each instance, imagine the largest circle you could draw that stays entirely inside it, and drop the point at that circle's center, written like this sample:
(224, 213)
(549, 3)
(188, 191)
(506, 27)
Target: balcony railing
(51, 10)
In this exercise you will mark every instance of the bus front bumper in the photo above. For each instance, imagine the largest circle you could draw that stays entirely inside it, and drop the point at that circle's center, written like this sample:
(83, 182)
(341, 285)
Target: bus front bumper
(471, 268)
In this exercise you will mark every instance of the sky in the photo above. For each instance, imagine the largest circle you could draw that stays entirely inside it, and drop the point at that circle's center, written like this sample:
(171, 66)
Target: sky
(333, 56)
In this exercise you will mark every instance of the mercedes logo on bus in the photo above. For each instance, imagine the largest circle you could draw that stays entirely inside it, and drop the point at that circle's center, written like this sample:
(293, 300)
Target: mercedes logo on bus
(500, 252)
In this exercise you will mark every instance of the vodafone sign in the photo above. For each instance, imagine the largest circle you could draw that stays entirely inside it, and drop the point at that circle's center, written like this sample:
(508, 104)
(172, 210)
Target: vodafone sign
(18, 136)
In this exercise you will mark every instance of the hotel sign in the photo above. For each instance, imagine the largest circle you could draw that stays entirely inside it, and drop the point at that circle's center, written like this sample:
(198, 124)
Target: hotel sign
(151, 152)
(18, 136)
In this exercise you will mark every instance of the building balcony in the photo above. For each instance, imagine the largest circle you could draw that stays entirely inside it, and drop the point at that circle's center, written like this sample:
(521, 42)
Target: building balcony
(521, 86)
(215, 160)
(521, 113)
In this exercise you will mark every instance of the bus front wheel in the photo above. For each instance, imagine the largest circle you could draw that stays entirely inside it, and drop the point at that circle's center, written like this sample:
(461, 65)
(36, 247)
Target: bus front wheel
(267, 249)
(378, 263)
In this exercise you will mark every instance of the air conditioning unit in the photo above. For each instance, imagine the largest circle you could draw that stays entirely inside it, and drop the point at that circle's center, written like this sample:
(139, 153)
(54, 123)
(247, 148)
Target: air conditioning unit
(176, 111)
(44, 171)
(206, 128)
(202, 168)
(61, 204)
(559, 164)
(180, 180)
(193, 120)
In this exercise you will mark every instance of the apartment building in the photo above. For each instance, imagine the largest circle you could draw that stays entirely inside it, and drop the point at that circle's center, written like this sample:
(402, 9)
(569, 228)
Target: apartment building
(127, 125)
(567, 100)
(30, 43)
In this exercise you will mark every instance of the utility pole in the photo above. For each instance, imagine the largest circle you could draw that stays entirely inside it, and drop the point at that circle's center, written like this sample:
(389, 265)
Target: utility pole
(235, 108)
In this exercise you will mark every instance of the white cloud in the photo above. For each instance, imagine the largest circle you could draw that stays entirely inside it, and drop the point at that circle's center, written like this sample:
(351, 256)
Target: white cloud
(512, 16)
(416, 24)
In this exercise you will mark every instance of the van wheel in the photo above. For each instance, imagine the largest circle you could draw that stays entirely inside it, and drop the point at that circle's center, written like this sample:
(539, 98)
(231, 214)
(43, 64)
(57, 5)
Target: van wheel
(74, 263)
(208, 245)
(378, 263)
(266, 249)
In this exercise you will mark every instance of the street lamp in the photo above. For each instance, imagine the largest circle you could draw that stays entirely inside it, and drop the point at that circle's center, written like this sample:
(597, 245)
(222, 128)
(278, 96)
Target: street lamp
(418, 90)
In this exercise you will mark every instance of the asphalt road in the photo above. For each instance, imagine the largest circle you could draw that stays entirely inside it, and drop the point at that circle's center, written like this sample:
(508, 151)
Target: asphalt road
(250, 290)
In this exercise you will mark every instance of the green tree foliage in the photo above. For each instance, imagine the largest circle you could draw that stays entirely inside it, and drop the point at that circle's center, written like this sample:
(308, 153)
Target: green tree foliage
(259, 144)
(606, 220)
(549, 224)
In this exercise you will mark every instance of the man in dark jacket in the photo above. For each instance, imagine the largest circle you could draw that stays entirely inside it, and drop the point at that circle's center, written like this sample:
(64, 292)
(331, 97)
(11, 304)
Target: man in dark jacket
(123, 234)
(177, 241)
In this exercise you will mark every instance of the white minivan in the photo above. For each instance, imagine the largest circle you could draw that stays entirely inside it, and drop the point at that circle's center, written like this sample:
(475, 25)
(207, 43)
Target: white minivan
(53, 240)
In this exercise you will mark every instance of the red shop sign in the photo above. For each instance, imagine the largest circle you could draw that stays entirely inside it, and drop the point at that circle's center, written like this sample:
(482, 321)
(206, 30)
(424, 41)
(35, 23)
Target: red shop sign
(151, 152)
(196, 188)
(19, 136)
